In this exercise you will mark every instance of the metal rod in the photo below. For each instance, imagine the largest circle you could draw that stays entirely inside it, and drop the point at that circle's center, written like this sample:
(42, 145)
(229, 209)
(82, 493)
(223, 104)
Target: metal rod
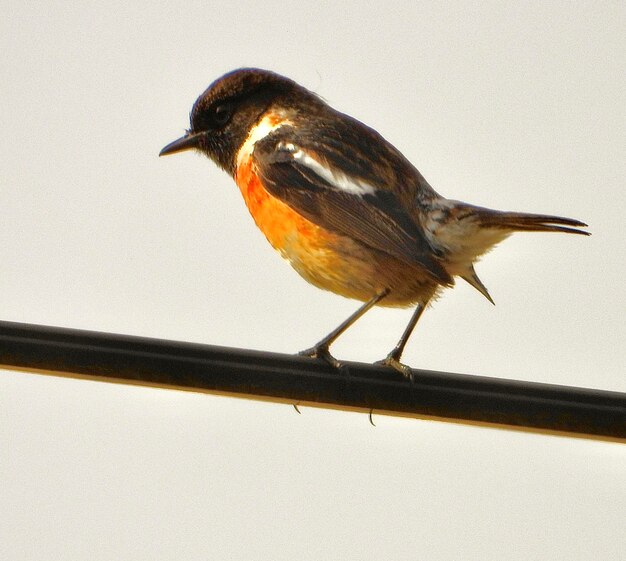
(293, 379)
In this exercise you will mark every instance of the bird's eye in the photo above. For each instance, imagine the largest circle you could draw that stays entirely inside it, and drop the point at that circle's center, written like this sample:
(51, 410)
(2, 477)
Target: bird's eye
(222, 113)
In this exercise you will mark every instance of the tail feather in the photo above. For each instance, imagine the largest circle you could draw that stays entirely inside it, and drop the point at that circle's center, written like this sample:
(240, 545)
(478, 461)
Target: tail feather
(472, 278)
(525, 222)
(467, 232)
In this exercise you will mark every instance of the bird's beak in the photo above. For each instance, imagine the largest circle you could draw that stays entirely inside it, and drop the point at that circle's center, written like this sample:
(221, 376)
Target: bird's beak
(187, 142)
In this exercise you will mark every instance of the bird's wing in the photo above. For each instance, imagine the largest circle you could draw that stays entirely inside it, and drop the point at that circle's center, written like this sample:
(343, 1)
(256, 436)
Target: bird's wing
(329, 192)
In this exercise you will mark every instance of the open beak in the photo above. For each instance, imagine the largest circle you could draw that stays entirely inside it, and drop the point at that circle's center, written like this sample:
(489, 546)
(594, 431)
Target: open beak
(187, 142)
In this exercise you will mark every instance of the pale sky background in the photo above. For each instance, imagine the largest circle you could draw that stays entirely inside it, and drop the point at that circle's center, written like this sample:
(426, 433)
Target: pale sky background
(516, 106)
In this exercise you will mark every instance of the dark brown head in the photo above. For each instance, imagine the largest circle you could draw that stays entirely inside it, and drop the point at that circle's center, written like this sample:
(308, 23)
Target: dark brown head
(223, 115)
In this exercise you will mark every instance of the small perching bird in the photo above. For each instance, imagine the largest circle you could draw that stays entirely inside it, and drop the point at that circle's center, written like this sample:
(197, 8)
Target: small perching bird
(349, 212)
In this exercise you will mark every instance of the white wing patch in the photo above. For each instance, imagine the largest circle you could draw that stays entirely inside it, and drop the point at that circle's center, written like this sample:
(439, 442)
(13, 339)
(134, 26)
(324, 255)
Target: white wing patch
(335, 177)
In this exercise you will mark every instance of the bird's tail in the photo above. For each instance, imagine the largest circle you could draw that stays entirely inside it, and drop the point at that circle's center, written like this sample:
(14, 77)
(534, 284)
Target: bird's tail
(470, 231)
(525, 222)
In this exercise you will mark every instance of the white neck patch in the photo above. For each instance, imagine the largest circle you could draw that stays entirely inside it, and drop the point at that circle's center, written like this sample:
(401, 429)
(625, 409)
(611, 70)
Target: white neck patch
(265, 126)
(335, 177)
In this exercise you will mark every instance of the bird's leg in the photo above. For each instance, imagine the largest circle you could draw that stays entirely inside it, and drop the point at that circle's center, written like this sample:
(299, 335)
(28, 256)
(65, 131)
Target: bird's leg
(393, 358)
(321, 349)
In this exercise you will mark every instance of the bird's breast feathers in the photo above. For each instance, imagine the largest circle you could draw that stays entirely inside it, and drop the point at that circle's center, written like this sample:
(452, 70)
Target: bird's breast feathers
(296, 175)
(287, 230)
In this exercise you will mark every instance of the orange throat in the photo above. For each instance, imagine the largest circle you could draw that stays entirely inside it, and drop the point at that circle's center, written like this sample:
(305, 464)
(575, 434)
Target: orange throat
(283, 227)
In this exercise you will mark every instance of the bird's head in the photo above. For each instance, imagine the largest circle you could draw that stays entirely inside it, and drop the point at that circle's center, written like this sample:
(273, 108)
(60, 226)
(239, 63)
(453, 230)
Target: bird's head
(223, 115)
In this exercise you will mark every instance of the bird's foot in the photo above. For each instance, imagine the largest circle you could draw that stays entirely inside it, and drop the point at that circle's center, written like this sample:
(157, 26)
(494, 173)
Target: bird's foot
(391, 361)
(321, 352)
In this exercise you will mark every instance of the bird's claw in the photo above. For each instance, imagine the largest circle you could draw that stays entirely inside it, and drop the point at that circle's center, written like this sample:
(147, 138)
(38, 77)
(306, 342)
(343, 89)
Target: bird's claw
(321, 352)
(393, 362)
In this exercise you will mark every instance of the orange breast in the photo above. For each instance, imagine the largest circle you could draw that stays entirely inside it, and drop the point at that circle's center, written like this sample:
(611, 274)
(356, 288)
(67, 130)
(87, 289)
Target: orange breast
(327, 260)
(285, 229)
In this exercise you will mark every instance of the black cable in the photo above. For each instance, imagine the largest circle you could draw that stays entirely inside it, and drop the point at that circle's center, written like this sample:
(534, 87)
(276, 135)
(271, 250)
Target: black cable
(294, 379)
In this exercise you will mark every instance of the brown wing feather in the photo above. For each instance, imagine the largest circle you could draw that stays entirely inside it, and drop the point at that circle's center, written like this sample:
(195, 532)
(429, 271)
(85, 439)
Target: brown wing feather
(376, 219)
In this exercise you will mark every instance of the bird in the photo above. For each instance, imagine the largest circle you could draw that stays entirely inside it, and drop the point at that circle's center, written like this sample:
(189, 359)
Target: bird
(346, 208)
